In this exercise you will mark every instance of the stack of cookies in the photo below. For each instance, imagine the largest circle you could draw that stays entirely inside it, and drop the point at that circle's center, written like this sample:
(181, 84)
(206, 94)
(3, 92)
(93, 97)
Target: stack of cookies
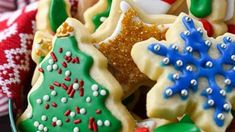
(133, 66)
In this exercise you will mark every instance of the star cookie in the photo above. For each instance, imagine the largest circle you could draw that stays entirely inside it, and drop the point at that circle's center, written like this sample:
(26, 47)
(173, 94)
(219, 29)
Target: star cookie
(194, 73)
(117, 47)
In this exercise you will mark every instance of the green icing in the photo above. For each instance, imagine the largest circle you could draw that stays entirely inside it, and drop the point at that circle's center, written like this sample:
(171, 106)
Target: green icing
(79, 71)
(41, 58)
(201, 8)
(57, 14)
(96, 19)
(186, 119)
(178, 127)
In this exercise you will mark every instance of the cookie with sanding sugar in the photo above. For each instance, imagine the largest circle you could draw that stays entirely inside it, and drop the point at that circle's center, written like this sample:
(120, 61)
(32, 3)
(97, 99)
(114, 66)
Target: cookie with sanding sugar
(75, 91)
(211, 13)
(101, 17)
(117, 48)
(194, 74)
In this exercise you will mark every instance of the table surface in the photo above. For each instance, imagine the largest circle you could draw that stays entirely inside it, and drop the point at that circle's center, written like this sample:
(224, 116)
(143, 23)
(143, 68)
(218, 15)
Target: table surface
(4, 124)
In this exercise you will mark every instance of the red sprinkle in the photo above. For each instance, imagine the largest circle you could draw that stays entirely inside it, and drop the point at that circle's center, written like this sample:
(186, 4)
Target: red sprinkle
(66, 113)
(209, 28)
(59, 71)
(64, 64)
(77, 121)
(68, 58)
(70, 89)
(142, 129)
(76, 80)
(75, 60)
(60, 50)
(41, 70)
(57, 84)
(81, 83)
(64, 86)
(98, 111)
(72, 93)
(51, 87)
(169, 1)
(53, 57)
(231, 28)
(81, 92)
(54, 104)
(53, 124)
(67, 120)
(77, 110)
(67, 78)
(95, 128)
(47, 106)
(90, 125)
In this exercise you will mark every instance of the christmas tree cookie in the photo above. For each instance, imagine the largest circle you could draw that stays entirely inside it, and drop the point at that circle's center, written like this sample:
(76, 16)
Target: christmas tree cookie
(195, 75)
(75, 92)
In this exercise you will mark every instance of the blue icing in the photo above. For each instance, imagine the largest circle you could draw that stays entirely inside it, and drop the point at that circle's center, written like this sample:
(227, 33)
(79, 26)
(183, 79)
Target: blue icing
(192, 68)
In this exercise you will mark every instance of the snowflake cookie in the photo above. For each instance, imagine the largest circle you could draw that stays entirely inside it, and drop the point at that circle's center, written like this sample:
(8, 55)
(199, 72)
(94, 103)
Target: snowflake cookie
(195, 74)
(75, 92)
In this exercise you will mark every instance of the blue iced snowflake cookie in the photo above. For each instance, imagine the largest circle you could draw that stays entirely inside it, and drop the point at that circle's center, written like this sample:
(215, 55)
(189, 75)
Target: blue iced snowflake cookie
(195, 74)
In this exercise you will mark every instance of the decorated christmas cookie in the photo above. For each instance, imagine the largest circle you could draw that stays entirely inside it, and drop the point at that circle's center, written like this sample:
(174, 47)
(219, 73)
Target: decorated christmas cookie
(51, 14)
(117, 47)
(75, 92)
(212, 14)
(195, 74)
(108, 12)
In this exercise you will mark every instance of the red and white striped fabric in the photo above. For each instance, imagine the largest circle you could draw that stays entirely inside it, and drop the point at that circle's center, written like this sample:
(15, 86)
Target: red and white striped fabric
(3, 105)
(16, 34)
(7, 5)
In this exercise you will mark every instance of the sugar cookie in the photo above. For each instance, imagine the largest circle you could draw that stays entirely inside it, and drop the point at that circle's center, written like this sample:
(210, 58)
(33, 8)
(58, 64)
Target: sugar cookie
(117, 47)
(194, 73)
(75, 91)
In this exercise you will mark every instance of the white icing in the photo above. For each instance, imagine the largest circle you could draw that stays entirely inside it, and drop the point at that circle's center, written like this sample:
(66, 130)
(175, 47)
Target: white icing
(99, 123)
(72, 114)
(107, 123)
(58, 122)
(55, 67)
(67, 73)
(94, 87)
(95, 93)
(124, 6)
(88, 99)
(149, 123)
(54, 119)
(82, 111)
(153, 6)
(68, 53)
(103, 92)
(76, 129)
(230, 10)
(75, 86)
